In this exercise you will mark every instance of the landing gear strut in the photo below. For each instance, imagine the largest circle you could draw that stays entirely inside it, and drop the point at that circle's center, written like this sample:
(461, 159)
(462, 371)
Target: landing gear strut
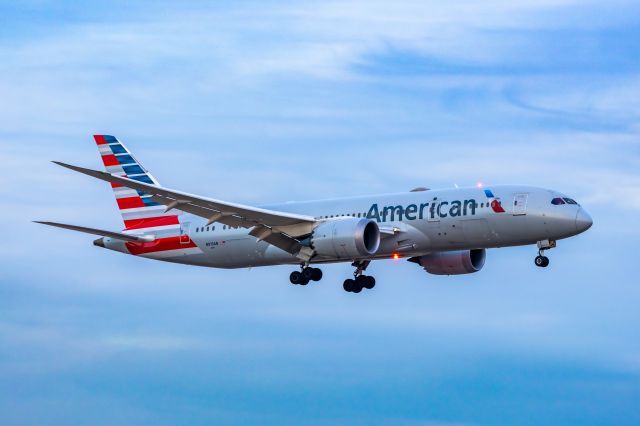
(305, 275)
(541, 260)
(359, 281)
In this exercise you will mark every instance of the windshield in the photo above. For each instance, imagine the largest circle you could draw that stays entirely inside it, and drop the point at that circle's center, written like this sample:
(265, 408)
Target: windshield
(558, 201)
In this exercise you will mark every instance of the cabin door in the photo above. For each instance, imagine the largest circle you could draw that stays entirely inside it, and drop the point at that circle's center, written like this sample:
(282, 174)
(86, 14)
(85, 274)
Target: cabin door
(520, 204)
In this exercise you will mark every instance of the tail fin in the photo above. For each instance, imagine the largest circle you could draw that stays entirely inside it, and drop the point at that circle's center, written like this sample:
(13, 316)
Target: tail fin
(138, 210)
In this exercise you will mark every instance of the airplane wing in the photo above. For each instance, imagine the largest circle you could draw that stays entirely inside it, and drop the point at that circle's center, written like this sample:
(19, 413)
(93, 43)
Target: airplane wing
(277, 228)
(100, 232)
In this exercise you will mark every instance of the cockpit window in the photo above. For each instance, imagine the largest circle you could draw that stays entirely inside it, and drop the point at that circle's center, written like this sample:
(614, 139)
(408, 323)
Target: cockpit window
(557, 201)
(570, 201)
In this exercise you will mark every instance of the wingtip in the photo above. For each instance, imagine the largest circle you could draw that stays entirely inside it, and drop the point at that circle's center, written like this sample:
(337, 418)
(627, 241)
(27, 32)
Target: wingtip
(70, 166)
(59, 163)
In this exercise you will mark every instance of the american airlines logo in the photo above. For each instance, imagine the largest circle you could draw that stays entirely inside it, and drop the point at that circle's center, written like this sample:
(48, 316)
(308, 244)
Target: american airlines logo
(432, 210)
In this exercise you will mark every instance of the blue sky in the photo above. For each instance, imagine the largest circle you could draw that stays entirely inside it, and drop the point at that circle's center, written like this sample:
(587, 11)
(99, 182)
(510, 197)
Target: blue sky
(261, 102)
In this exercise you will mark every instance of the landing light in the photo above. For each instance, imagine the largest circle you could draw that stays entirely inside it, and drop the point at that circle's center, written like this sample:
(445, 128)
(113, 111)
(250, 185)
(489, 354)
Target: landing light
(480, 184)
(396, 256)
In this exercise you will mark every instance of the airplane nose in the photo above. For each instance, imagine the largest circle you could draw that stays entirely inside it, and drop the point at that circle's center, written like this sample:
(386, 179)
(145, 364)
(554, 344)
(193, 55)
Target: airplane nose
(583, 221)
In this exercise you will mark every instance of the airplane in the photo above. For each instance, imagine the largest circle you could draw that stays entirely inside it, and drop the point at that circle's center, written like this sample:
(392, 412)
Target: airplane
(445, 231)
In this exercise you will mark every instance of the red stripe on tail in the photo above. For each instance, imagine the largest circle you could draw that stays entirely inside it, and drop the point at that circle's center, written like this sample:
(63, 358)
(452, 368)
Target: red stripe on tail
(130, 203)
(110, 160)
(100, 140)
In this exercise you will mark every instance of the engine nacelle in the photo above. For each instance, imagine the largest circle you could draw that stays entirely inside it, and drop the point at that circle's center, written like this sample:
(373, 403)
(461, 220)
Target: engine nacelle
(453, 262)
(349, 238)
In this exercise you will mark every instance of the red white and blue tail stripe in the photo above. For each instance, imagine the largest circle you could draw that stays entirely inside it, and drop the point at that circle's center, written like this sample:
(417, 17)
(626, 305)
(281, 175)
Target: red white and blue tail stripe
(138, 209)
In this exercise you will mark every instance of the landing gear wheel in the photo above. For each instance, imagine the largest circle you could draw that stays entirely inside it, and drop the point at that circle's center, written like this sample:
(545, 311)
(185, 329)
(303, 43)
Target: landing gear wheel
(542, 261)
(349, 285)
(369, 283)
(296, 278)
(317, 274)
(307, 273)
(312, 274)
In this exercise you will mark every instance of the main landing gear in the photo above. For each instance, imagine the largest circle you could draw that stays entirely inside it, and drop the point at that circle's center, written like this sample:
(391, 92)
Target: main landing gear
(360, 280)
(306, 275)
(541, 260)
(355, 285)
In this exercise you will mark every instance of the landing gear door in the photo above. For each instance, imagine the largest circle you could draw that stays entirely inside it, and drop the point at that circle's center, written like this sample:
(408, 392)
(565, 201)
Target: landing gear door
(520, 204)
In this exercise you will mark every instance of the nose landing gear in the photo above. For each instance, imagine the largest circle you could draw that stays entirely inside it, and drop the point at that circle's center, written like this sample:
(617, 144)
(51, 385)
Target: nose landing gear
(541, 260)
(360, 280)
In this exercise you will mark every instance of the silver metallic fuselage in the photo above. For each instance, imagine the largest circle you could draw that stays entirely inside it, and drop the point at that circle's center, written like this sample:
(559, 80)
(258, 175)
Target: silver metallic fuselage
(415, 224)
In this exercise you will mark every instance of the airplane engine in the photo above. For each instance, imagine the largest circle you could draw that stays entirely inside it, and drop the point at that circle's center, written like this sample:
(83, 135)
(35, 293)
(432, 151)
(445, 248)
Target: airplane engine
(348, 238)
(453, 262)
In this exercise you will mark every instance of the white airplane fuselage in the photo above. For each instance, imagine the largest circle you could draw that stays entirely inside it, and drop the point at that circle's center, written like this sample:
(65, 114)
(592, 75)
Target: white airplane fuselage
(412, 224)
(446, 231)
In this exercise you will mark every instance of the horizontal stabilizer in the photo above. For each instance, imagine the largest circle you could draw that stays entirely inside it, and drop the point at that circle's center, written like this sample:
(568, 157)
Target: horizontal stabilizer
(100, 232)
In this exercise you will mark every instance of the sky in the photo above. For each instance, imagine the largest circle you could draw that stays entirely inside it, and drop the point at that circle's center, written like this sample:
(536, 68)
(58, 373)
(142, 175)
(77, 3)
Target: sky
(264, 102)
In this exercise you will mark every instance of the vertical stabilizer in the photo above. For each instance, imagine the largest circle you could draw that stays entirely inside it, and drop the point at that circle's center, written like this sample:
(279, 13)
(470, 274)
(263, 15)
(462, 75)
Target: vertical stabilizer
(138, 209)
